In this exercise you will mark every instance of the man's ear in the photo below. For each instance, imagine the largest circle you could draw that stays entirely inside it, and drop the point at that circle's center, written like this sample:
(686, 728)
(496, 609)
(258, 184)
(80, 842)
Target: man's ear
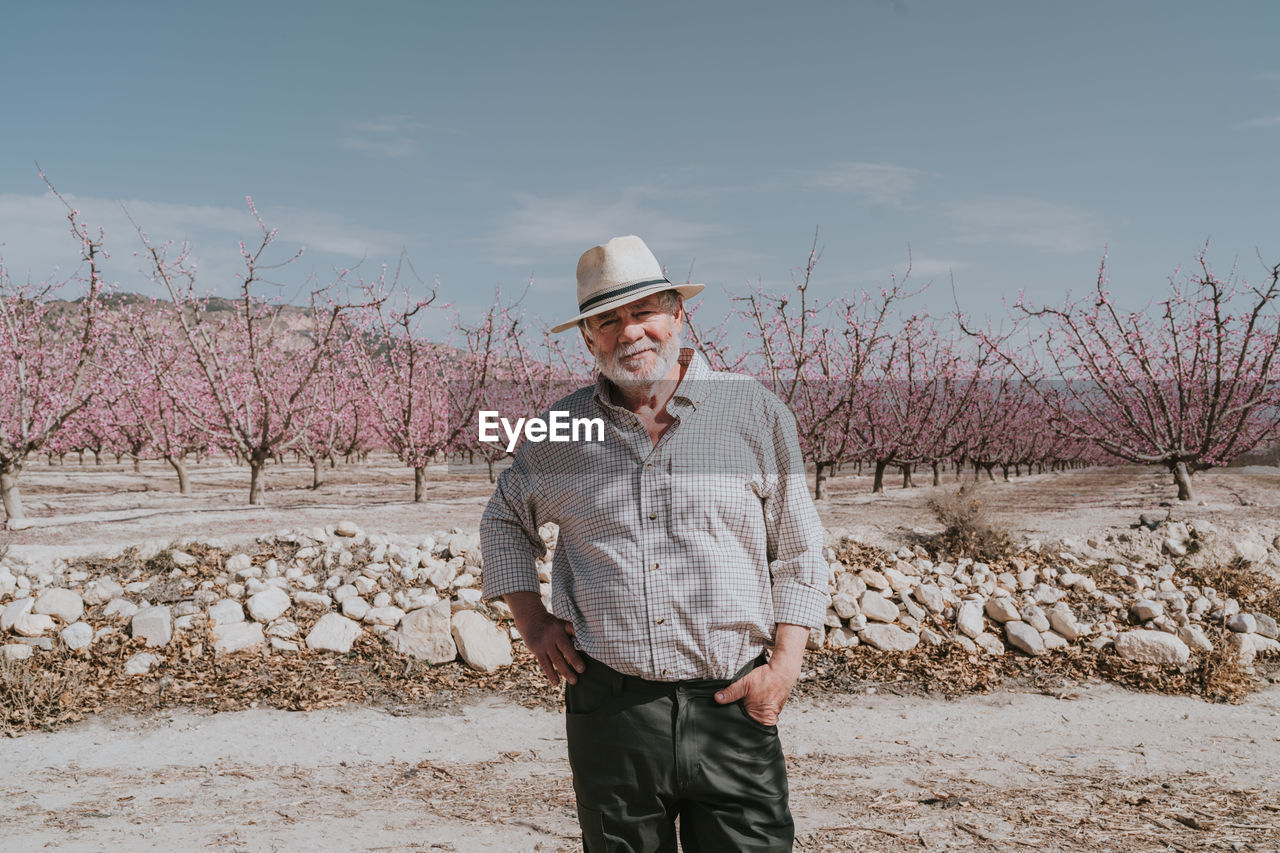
(582, 327)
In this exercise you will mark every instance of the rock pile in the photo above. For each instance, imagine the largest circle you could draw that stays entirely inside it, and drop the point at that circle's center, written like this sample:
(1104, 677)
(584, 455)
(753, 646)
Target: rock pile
(1044, 599)
(323, 588)
(317, 588)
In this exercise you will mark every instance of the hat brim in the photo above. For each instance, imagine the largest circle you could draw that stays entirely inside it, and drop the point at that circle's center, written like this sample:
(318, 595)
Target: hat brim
(685, 291)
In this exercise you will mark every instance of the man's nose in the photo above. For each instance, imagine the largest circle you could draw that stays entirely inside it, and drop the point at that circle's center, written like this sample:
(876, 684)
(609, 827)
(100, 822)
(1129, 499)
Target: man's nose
(632, 330)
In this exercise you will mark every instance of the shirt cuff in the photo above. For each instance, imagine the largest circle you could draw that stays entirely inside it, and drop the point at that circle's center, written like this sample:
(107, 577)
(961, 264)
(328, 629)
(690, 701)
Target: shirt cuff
(798, 603)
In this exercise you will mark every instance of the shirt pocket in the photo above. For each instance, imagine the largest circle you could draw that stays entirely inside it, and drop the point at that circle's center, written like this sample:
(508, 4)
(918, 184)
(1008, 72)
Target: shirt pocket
(713, 502)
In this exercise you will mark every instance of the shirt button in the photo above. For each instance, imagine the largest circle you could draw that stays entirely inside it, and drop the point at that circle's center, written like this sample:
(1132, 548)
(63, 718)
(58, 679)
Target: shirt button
(655, 566)
(666, 672)
(652, 516)
(659, 620)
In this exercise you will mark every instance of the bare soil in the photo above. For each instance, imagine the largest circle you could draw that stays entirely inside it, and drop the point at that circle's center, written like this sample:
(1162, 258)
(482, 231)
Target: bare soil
(1055, 765)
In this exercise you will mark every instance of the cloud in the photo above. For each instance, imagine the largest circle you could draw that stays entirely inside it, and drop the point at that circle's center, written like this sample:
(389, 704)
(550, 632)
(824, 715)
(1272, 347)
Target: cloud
(878, 183)
(36, 236)
(580, 221)
(1264, 121)
(1025, 222)
(393, 137)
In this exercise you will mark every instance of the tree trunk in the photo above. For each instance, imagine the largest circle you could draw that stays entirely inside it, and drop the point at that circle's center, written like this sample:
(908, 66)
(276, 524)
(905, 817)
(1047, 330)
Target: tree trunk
(316, 482)
(80, 457)
(1182, 478)
(333, 461)
(137, 464)
(184, 488)
(256, 464)
(937, 473)
(877, 484)
(9, 494)
(907, 482)
(819, 479)
(990, 469)
(419, 482)
(1004, 469)
(492, 478)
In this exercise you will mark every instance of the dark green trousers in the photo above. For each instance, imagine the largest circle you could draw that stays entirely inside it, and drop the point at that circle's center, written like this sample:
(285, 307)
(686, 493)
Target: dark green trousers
(645, 752)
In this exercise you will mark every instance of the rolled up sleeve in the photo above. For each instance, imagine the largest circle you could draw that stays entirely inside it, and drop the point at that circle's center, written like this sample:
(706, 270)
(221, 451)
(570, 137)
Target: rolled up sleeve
(796, 566)
(509, 538)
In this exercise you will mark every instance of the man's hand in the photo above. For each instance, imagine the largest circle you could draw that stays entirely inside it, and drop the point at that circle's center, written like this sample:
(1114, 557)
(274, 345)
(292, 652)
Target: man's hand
(764, 690)
(550, 639)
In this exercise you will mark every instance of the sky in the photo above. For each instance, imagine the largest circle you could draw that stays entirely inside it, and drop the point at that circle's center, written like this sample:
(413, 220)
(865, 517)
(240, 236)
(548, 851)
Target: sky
(1002, 146)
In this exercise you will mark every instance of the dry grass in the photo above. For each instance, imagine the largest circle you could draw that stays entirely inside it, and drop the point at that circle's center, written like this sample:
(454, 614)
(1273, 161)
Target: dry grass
(968, 528)
(40, 693)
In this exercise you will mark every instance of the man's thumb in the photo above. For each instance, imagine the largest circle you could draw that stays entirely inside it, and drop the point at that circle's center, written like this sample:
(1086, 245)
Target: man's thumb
(732, 693)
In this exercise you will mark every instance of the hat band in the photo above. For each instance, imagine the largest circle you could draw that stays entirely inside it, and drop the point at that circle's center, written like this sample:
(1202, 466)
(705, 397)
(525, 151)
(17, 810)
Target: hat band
(586, 304)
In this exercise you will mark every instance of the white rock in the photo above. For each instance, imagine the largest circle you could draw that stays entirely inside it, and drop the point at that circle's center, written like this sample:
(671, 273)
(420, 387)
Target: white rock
(317, 600)
(241, 566)
(1266, 626)
(897, 580)
(1024, 637)
(875, 606)
(1062, 620)
(153, 624)
(16, 651)
(1151, 647)
(425, 634)
(283, 629)
(840, 638)
(930, 596)
(1144, 609)
(333, 632)
(1002, 608)
(140, 664)
(343, 592)
(1054, 640)
(481, 644)
(102, 590)
(990, 644)
(14, 612)
(386, 616)
(226, 612)
(932, 637)
(62, 603)
(1175, 547)
(33, 625)
(269, 604)
(8, 583)
(1249, 550)
(346, 529)
(355, 607)
(77, 635)
(874, 580)
(182, 559)
(1034, 616)
(1194, 637)
(121, 607)
(844, 605)
(1241, 623)
(889, 638)
(969, 618)
(280, 645)
(237, 636)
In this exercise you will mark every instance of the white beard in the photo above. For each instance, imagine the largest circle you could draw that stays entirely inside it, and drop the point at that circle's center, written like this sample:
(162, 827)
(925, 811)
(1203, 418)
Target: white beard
(668, 354)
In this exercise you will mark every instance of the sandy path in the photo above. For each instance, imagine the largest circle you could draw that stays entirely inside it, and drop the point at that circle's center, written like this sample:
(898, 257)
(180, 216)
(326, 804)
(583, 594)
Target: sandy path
(1109, 770)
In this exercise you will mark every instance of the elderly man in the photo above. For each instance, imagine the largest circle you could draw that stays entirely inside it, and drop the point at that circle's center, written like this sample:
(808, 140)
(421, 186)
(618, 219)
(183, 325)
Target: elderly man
(687, 546)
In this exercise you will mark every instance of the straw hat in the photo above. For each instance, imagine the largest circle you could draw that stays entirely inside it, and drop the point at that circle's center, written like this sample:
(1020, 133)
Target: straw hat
(621, 271)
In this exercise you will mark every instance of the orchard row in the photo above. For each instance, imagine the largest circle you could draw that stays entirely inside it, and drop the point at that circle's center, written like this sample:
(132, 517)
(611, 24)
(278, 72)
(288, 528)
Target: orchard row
(1189, 383)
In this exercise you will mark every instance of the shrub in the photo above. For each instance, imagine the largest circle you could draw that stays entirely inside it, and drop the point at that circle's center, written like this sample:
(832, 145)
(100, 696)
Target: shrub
(967, 528)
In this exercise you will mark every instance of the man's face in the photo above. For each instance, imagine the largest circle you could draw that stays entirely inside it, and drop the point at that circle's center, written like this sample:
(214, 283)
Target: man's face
(637, 343)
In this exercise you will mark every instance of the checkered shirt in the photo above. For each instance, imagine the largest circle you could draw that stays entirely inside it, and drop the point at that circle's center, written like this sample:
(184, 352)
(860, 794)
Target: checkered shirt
(673, 561)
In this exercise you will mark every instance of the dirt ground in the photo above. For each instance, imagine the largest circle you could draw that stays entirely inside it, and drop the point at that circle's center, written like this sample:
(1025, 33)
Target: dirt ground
(1092, 767)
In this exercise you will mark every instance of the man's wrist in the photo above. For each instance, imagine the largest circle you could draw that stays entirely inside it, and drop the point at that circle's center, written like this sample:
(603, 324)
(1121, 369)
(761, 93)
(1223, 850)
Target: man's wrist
(788, 649)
